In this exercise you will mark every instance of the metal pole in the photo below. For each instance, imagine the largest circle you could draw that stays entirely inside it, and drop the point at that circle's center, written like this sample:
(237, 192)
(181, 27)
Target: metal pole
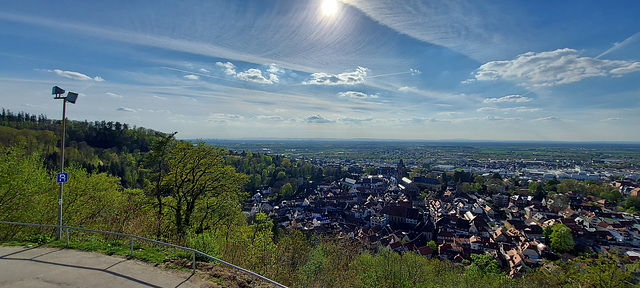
(194, 262)
(64, 112)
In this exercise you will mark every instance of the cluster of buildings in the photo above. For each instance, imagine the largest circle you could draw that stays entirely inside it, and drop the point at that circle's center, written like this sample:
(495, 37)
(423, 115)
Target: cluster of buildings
(401, 214)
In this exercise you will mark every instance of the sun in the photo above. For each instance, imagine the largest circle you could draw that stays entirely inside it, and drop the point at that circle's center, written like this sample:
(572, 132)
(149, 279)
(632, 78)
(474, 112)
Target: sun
(329, 7)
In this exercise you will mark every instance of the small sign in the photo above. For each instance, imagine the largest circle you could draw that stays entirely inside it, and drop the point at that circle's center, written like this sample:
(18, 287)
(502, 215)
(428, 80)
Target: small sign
(63, 177)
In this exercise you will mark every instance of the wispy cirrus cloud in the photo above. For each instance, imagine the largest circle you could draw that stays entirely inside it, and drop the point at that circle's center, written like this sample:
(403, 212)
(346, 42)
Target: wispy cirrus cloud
(517, 109)
(458, 25)
(76, 75)
(508, 98)
(114, 95)
(223, 118)
(498, 118)
(357, 95)
(626, 42)
(346, 78)
(355, 120)
(127, 109)
(270, 117)
(548, 118)
(551, 68)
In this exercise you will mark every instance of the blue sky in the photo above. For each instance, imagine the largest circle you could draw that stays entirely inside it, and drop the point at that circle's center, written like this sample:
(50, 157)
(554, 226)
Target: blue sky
(430, 70)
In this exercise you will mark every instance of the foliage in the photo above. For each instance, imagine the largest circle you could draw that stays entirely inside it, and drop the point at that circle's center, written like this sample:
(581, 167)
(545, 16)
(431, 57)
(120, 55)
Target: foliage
(26, 190)
(484, 264)
(201, 191)
(600, 271)
(559, 237)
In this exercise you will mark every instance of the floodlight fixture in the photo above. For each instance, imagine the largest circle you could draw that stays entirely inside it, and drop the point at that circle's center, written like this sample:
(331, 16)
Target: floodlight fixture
(72, 97)
(57, 91)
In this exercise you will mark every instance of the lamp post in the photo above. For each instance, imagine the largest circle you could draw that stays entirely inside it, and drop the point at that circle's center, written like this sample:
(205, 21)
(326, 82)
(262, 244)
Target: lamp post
(62, 177)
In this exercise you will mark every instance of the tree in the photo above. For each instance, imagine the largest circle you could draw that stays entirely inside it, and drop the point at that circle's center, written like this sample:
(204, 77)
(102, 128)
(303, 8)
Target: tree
(286, 191)
(613, 197)
(157, 159)
(27, 191)
(536, 190)
(632, 202)
(560, 238)
(201, 189)
(483, 264)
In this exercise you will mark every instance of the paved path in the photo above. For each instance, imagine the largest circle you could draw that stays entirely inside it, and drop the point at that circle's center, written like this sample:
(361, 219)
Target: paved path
(56, 267)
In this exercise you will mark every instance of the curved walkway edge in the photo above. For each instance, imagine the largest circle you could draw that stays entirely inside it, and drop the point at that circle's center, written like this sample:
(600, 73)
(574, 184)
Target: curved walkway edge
(56, 267)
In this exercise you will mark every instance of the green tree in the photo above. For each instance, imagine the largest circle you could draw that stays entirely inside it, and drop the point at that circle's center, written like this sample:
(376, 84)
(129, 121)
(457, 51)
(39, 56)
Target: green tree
(560, 238)
(201, 189)
(286, 191)
(632, 202)
(483, 264)
(27, 191)
(156, 158)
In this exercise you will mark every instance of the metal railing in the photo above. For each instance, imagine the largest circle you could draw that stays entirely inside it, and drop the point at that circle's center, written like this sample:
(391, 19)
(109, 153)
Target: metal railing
(132, 237)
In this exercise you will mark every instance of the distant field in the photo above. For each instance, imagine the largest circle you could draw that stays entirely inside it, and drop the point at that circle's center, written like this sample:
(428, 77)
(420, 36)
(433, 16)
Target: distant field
(437, 151)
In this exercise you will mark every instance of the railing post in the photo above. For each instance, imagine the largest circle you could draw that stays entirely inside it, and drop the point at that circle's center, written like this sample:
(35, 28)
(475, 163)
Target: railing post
(66, 229)
(194, 261)
(131, 254)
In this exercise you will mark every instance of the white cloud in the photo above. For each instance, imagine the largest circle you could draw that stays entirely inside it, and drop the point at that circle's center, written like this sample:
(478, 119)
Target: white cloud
(255, 75)
(356, 95)
(467, 81)
(221, 117)
(191, 77)
(159, 97)
(355, 120)
(346, 78)
(76, 75)
(415, 71)
(114, 95)
(616, 46)
(498, 118)
(317, 119)
(230, 69)
(406, 89)
(628, 69)
(274, 69)
(450, 113)
(550, 68)
(204, 70)
(610, 119)
(126, 109)
(508, 98)
(517, 109)
(269, 117)
(548, 118)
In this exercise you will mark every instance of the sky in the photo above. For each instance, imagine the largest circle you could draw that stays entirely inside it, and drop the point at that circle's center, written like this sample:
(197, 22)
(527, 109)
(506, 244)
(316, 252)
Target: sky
(353, 69)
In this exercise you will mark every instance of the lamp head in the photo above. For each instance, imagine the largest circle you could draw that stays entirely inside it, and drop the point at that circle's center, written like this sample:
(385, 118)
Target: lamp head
(72, 97)
(57, 91)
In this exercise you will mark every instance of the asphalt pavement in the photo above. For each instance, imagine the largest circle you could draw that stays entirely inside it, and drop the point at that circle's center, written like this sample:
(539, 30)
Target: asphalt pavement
(57, 267)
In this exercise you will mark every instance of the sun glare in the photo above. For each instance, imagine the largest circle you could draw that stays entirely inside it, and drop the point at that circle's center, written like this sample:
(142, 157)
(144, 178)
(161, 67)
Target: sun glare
(329, 7)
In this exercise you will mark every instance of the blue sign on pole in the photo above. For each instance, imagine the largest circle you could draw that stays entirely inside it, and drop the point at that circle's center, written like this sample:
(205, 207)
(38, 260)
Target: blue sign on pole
(63, 177)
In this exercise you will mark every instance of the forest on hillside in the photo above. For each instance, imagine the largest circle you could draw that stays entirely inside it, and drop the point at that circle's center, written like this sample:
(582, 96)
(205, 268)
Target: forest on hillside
(138, 181)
